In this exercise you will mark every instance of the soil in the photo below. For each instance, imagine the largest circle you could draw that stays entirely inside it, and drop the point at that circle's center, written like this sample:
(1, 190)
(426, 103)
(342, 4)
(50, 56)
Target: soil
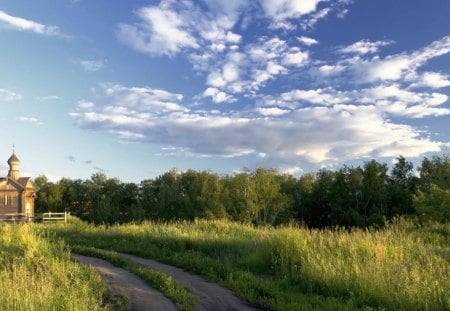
(211, 296)
(140, 295)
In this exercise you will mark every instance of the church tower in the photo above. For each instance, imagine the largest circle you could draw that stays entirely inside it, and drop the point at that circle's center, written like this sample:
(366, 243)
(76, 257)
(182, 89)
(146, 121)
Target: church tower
(14, 162)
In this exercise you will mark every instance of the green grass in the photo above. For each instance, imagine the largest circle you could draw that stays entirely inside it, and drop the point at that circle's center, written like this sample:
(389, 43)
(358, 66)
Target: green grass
(38, 275)
(290, 268)
(158, 280)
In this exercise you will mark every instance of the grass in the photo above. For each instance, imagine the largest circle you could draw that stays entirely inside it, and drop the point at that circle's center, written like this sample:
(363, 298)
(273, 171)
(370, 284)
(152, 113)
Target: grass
(38, 275)
(293, 268)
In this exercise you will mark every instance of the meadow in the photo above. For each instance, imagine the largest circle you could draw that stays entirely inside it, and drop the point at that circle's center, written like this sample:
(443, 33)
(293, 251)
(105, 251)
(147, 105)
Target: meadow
(37, 274)
(401, 267)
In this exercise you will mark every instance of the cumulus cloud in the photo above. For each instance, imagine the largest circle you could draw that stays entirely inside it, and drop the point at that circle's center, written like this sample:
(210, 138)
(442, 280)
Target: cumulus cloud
(258, 63)
(280, 11)
(337, 127)
(160, 30)
(307, 40)
(22, 24)
(207, 35)
(217, 96)
(433, 80)
(350, 109)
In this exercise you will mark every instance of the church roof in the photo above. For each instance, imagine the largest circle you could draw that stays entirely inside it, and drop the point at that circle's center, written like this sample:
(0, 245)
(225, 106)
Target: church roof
(13, 158)
(21, 184)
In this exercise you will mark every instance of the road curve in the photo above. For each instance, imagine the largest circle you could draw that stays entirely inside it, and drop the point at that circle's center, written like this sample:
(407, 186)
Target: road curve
(211, 296)
(141, 297)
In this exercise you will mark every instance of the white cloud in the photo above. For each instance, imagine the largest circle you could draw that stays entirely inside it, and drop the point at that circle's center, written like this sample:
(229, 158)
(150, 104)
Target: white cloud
(314, 18)
(329, 70)
(319, 96)
(92, 65)
(161, 31)
(23, 24)
(389, 99)
(217, 95)
(307, 40)
(338, 129)
(365, 47)
(31, 120)
(350, 110)
(282, 10)
(271, 111)
(433, 80)
(400, 66)
(9, 96)
(295, 57)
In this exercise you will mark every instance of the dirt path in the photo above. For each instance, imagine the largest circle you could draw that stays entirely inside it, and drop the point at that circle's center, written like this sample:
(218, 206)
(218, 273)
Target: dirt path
(140, 295)
(210, 295)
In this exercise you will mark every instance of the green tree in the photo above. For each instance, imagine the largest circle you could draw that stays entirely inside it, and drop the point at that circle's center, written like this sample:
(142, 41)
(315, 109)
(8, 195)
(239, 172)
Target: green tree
(374, 193)
(434, 205)
(435, 171)
(402, 186)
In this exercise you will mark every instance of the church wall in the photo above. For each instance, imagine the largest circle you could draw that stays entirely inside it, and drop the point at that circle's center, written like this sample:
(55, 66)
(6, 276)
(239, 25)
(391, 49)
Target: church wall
(9, 202)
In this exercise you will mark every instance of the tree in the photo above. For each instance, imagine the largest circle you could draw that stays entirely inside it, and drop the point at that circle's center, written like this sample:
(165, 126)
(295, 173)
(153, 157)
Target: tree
(402, 187)
(434, 205)
(374, 193)
(435, 171)
(270, 202)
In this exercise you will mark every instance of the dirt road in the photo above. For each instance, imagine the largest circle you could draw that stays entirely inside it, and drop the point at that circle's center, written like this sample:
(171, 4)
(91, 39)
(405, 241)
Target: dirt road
(141, 297)
(211, 296)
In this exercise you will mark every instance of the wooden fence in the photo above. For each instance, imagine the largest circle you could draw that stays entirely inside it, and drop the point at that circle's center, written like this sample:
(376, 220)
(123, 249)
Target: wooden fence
(44, 217)
(55, 217)
(17, 217)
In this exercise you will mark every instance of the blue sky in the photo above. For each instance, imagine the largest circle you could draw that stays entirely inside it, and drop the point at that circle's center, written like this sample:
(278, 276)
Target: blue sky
(135, 88)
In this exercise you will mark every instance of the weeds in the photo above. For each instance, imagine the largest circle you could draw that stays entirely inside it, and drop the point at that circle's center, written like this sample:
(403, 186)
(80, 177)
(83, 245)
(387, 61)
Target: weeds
(291, 268)
(38, 275)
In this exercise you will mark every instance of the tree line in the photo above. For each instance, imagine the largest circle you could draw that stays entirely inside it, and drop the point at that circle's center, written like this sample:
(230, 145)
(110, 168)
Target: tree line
(359, 196)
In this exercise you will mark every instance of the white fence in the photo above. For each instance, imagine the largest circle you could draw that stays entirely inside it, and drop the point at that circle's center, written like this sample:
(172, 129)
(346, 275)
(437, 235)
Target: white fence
(17, 217)
(55, 217)
(44, 217)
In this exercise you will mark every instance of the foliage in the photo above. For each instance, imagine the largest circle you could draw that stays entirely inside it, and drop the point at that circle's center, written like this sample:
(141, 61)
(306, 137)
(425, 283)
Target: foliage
(434, 205)
(350, 196)
(402, 267)
(38, 275)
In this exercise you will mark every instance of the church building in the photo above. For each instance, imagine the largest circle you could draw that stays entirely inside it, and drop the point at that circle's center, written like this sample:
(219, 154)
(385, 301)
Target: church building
(17, 194)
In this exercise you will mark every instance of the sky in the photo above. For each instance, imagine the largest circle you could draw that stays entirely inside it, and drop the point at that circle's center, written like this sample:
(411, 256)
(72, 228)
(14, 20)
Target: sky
(135, 88)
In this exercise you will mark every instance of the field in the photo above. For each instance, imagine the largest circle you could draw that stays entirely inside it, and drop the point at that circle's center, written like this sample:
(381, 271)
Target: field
(38, 275)
(292, 268)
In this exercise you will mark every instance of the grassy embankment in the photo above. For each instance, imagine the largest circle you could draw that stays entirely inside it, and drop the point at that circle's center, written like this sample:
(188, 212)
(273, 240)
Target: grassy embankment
(289, 268)
(38, 275)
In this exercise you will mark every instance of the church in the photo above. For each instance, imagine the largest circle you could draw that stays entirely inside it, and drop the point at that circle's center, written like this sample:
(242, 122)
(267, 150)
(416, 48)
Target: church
(17, 193)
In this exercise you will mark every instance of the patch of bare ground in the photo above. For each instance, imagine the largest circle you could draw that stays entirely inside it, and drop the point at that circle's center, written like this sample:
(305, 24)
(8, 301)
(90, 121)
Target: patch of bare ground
(211, 296)
(141, 297)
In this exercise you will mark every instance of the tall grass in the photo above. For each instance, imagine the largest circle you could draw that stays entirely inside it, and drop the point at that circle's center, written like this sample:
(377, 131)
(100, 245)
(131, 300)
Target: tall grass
(38, 275)
(289, 268)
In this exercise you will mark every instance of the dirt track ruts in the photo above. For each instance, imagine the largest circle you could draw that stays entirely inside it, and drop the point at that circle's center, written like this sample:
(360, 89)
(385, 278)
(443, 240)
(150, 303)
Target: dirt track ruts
(210, 296)
(140, 295)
